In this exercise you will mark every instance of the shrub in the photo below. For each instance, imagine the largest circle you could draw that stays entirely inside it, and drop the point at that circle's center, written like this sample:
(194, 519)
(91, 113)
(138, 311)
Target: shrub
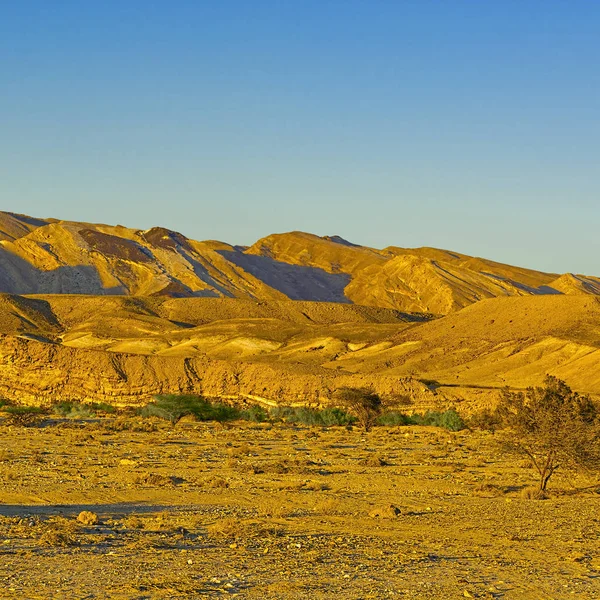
(23, 410)
(255, 414)
(362, 402)
(394, 419)
(484, 419)
(553, 426)
(73, 410)
(173, 407)
(327, 417)
(448, 419)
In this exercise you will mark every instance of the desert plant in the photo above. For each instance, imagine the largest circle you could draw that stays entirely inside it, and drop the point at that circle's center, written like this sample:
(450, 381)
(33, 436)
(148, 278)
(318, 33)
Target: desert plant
(73, 410)
(173, 407)
(328, 417)
(448, 419)
(364, 403)
(255, 414)
(393, 418)
(553, 426)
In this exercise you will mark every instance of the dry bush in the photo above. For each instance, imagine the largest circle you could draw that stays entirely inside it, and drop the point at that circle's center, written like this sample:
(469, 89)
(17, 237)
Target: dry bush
(273, 507)
(154, 479)
(228, 528)
(374, 460)
(135, 424)
(59, 531)
(316, 486)
(9, 474)
(215, 482)
(533, 493)
(328, 507)
(231, 528)
(239, 451)
(487, 490)
(553, 427)
(132, 522)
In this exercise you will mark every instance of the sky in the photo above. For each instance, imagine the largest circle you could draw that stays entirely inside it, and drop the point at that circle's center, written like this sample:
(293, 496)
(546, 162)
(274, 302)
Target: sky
(466, 125)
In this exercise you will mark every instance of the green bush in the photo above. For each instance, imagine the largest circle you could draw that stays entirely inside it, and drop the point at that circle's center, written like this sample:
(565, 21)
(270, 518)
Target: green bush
(73, 410)
(327, 417)
(255, 414)
(23, 410)
(448, 419)
(173, 407)
(394, 419)
(102, 407)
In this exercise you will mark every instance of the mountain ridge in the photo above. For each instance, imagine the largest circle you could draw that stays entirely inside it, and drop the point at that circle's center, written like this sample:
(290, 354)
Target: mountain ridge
(46, 256)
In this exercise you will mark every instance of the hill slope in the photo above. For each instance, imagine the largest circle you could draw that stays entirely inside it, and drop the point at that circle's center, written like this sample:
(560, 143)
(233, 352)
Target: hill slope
(127, 349)
(47, 256)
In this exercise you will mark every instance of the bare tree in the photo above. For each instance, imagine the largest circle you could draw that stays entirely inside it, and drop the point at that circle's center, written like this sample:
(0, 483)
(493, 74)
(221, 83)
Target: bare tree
(553, 426)
(362, 402)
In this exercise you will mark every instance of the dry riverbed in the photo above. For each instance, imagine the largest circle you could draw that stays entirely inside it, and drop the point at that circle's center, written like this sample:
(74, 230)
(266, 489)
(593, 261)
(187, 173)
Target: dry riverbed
(202, 510)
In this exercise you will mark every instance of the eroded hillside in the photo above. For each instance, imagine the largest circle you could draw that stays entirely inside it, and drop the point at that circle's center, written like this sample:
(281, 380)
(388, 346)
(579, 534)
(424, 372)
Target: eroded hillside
(47, 256)
(125, 349)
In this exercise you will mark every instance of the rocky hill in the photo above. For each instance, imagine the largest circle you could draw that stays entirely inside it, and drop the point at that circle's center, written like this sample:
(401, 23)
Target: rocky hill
(98, 312)
(47, 256)
(125, 349)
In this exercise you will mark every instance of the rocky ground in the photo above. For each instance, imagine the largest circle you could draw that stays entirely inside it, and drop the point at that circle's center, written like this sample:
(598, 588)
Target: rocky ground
(276, 511)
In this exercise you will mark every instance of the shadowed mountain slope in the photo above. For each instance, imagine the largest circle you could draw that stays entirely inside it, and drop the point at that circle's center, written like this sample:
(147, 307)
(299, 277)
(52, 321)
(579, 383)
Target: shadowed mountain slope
(47, 256)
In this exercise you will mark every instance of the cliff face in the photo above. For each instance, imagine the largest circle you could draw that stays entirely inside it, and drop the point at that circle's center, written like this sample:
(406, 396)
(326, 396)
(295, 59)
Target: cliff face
(34, 372)
(46, 256)
(124, 350)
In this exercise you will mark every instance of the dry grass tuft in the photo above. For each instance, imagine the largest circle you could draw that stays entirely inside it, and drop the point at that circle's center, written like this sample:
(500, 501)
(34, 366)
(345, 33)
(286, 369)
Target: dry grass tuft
(533, 493)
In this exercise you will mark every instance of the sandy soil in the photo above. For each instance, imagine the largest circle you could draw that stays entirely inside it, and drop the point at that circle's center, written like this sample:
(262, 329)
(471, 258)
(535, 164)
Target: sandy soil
(260, 511)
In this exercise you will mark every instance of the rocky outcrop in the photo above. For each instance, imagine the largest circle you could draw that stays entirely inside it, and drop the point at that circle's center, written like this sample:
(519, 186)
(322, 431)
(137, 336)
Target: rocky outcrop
(34, 372)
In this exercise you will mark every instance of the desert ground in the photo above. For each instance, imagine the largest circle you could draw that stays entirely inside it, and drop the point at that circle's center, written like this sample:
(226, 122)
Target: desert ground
(274, 510)
(116, 505)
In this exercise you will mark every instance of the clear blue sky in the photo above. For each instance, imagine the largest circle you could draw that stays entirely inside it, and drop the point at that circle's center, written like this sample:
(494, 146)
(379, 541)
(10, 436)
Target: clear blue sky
(467, 125)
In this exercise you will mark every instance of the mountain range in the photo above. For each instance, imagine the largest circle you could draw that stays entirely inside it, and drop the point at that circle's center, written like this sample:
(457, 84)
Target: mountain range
(108, 313)
(48, 256)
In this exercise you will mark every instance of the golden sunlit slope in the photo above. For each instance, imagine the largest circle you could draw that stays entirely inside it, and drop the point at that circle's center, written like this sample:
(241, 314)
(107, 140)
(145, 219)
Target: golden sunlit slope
(62, 257)
(125, 349)
(511, 341)
(497, 342)
(229, 328)
(419, 279)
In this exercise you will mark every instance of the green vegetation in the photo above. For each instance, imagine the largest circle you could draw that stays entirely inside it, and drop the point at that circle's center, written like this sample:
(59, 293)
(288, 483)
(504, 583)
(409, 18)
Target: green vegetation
(394, 419)
(255, 414)
(448, 419)
(81, 410)
(173, 407)
(23, 410)
(327, 417)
